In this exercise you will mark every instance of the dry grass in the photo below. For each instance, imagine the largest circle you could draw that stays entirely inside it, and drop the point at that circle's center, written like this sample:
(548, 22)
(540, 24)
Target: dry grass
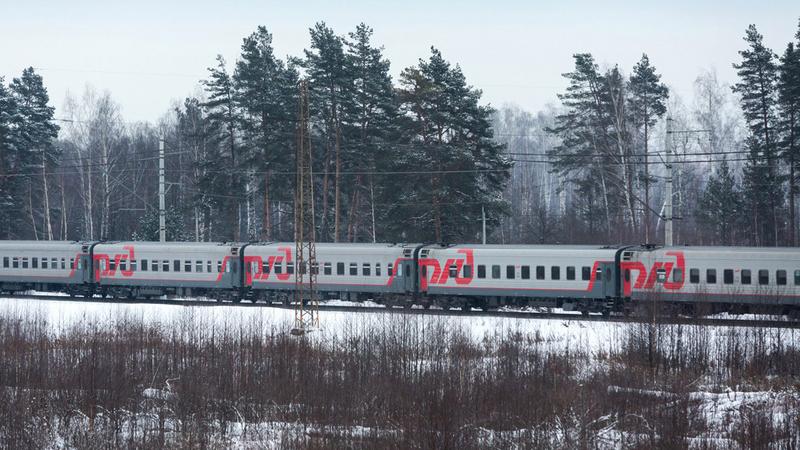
(398, 383)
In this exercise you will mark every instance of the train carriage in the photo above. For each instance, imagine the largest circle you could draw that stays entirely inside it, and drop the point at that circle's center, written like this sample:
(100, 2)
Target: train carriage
(145, 269)
(44, 266)
(760, 279)
(580, 277)
(345, 271)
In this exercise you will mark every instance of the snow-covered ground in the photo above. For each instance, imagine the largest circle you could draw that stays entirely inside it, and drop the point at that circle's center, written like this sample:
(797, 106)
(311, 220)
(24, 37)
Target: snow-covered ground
(715, 406)
(592, 337)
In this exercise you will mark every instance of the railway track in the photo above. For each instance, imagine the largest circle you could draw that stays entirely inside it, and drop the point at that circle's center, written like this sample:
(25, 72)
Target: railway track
(767, 322)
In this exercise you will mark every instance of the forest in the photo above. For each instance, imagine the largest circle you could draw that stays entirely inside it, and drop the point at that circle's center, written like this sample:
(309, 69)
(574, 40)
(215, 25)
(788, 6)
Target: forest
(419, 158)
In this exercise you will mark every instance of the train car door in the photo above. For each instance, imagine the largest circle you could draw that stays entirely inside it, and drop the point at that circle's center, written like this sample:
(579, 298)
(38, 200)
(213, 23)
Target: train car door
(605, 276)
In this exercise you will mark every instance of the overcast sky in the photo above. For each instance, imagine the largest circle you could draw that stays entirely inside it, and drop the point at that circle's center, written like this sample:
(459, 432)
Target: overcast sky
(150, 53)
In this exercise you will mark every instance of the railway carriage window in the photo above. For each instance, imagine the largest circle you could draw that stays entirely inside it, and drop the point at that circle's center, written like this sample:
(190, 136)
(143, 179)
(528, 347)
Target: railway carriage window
(44, 263)
(586, 273)
(315, 268)
(510, 272)
(555, 273)
(24, 263)
(265, 266)
(34, 263)
(176, 265)
(289, 268)
(339, 268)
(526, 272)
(677, 275)
(165, 266)
(63, 263)
(540, 272)
(303, 268)
(187, 266)
(326, 268)
(495, 271)
(377, 269)
(481, 271)
(144, 265)
(15, 263)
(5, 262)
(627, 274)
(113, 265)
(570, 272)
(134, 263)
(727, 276)
(123, 265)
(797, 277)
(453, 271)
(198, 266)
(208, 266)
(763, 276)
(366, 270)
(694, 276)
(154, 266)
(424, 271)
(746, 276)
(278, 267)
(353, 269)
(711, 276)
(219, 266)
(389, 268)
(780, 277)
(468, 271)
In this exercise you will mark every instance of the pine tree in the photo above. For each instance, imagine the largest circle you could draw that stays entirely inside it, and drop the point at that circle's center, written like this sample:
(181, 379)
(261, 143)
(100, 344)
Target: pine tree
(789, 122)
(196, 132)
(266, 93)
(37, 133)
(373, 112)
(647, 104)
(757, 88)
(9, 162)
(594, 152)
(330, 89)
(446, 131)
(720, 205)
(224, 115)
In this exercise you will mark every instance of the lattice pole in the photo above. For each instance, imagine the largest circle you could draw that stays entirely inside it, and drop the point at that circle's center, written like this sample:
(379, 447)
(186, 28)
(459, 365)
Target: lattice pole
(306, 315)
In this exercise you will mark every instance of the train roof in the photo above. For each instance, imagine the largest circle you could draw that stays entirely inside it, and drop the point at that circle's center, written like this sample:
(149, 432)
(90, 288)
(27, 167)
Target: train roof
(39, 245)
(536, 247)
(739, 250)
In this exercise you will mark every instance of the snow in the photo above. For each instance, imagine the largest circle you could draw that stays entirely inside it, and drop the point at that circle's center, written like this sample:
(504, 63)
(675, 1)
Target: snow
(592, 338)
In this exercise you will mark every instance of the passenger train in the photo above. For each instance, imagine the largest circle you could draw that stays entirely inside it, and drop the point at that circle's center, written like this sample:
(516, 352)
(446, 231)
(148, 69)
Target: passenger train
(589, 279)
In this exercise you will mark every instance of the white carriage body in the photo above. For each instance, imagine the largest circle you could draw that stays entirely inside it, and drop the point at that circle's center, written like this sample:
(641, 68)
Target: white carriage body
(533, 271)
(173, 264)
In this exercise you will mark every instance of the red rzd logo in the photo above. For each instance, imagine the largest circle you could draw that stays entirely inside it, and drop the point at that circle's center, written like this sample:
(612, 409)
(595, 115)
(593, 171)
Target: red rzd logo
(647, 280)
(437, 275)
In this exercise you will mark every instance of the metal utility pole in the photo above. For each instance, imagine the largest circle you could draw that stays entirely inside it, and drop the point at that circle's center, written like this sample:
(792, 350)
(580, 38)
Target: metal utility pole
(668, 215)
(668, 200)
(162, 215)
(483, 221)
(306, 315)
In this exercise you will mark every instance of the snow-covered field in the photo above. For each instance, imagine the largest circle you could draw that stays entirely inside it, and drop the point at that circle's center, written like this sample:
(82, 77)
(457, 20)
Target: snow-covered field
(714, 410)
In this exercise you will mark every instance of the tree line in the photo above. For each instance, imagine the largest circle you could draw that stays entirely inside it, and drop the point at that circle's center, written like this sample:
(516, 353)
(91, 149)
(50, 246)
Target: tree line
(417, 158)
(592, 169)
